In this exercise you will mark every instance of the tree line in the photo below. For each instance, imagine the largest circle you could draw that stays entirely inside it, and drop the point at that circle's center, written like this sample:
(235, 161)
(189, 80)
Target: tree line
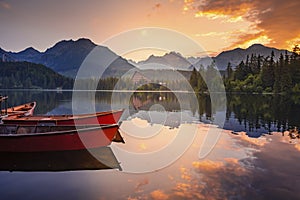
(21, 75)
(256, 74)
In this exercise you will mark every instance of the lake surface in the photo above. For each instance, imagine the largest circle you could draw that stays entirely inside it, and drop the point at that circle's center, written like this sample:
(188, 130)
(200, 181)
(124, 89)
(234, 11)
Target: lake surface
(176, 147)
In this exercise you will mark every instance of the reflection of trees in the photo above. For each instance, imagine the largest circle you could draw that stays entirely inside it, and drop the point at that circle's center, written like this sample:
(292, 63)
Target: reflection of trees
(267, 111)
(254, 112)
(210, 104)
(204, 106)
(46, 100)
(144, 100)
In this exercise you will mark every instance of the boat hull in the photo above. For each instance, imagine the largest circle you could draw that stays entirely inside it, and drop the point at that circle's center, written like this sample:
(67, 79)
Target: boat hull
(85, 138)
(103, 118)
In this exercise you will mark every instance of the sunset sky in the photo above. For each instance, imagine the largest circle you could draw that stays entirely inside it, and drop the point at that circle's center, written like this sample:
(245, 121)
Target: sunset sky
(216, 25)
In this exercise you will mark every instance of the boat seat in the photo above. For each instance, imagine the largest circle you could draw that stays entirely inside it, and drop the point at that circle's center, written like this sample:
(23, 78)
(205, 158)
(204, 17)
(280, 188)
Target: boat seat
(43, 129)
(41, 123)
(8, 129)
(25, 129)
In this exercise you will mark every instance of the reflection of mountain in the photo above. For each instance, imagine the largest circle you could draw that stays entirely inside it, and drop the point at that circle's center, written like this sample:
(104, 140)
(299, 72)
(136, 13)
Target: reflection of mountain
(96, 159)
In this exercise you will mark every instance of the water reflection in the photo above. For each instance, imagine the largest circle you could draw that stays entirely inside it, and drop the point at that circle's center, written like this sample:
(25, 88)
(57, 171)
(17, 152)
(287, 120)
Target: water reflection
(238, 167)
(46, 100)
(59, 160)
(258, 114)
(255, 114)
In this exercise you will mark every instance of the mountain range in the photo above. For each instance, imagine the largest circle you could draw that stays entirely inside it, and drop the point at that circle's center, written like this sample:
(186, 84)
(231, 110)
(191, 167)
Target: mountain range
(235, 56)
(169, 60)
(66, 56)
(221, 61)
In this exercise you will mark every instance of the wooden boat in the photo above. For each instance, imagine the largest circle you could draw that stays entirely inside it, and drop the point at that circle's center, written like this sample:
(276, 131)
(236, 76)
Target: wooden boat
(20, 110)
(14, 138)
(108, 117)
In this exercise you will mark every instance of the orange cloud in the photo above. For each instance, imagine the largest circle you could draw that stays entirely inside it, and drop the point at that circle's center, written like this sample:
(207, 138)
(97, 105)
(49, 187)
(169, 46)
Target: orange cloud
(273, 21)
(244, 40)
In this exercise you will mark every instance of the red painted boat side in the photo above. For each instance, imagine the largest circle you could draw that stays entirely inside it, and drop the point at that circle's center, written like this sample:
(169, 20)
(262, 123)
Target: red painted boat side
(59, 141)
(98, 118)
(103, 118)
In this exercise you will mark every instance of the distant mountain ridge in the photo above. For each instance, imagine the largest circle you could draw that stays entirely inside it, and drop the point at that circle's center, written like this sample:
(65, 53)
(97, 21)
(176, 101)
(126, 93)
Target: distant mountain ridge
(221, 61)
(169, 60)
(66, 56)
(235, 56)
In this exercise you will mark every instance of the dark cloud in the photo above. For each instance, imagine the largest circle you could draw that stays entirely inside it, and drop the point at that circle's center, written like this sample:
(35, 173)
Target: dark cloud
(282, 22)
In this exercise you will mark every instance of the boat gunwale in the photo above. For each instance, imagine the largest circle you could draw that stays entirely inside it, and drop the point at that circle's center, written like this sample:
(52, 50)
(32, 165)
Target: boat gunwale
(55, 118)
(73, 131)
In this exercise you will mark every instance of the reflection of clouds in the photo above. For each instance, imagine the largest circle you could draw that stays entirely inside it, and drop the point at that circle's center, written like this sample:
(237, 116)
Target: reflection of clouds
(261, 141)
(285, 138)
(166, 118)
(140, 136)
(225, 174)
(184, 190)
(228, 172)
(159, 195)
(297, 146)
(207, 165)
(140, 122)
(139, 185)
(185, 173)
(217, 180)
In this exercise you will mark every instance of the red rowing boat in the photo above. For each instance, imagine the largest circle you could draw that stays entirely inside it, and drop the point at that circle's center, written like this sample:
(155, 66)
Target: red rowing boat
(108, 117)
(15, 138)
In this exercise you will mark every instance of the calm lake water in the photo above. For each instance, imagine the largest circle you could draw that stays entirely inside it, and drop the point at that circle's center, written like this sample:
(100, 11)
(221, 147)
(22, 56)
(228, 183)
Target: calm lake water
(174, 150)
